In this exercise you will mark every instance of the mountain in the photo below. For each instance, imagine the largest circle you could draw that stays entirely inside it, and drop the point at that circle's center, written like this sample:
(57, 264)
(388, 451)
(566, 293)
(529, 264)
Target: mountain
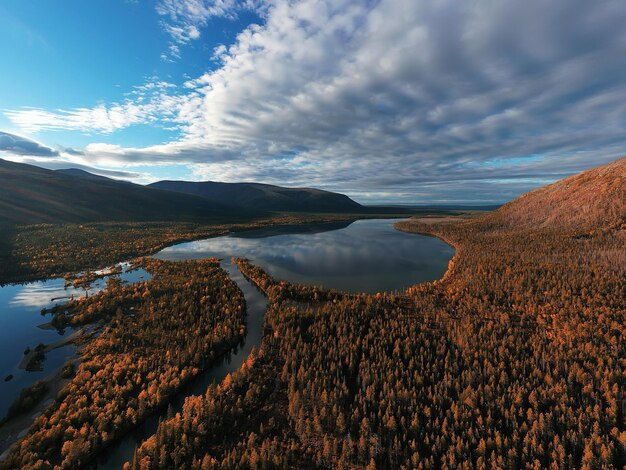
(30, 195)
(265, 197)
(595, 198)
(84, 174)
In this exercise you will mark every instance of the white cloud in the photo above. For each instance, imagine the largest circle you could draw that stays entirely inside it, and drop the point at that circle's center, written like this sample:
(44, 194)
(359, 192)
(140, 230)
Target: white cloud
(183, 19)
(147, 104)
(410, 97)
(17, 145)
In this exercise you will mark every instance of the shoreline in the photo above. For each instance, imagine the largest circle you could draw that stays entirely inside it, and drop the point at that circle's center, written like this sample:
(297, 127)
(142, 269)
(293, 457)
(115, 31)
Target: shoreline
(50, 347)
(219, 230)
(431, 221)
(17, 427)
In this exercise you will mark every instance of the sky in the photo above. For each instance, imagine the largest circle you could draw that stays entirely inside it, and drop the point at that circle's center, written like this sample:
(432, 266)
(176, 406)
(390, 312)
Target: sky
(388, 101)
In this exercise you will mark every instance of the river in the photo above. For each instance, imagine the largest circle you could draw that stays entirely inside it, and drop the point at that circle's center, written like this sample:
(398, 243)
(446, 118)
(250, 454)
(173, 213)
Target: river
(362, 256)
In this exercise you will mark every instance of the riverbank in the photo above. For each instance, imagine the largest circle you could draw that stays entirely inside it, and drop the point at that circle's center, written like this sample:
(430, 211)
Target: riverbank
(39, 252)
(138, 362)
(229, 363)
(31, 357)
(424, 226)
(17, 427)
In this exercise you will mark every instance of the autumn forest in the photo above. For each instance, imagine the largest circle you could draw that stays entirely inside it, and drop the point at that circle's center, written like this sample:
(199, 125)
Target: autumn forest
(515, 359)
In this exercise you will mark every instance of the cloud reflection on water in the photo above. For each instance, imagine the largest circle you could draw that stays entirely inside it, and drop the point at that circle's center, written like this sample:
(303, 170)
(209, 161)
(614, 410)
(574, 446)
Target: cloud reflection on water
(39, 294)
(368, 255)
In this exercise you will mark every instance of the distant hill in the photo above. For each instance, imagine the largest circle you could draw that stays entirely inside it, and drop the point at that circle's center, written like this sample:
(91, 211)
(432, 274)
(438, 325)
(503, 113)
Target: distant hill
(266, 197)
(30, 195)
(84, 174)
(592, 199)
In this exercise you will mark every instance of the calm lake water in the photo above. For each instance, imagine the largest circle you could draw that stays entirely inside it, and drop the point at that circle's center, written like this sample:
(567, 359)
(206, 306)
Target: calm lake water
(362, 256)
(22, 325)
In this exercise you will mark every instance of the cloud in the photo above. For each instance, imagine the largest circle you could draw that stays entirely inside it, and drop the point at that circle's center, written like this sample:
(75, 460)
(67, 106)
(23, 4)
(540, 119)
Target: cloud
(17, 145)
(108, 173)
(444, 100)
(72, 151)
(150, 103)
(402, 93)
(183, 19)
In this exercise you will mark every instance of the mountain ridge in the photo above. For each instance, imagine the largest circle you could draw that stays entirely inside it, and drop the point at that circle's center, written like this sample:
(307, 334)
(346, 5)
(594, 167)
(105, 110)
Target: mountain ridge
(30, 195)
(261, 196)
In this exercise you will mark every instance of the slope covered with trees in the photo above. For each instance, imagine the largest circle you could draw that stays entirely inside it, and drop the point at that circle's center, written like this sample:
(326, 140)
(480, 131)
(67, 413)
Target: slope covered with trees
(592, 199)
(515, 359)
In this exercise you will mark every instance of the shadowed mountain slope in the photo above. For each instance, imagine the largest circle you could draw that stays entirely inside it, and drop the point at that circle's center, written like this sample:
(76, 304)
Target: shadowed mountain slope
(30, 195)
(85, 174)
(265, 197)
(595, 198)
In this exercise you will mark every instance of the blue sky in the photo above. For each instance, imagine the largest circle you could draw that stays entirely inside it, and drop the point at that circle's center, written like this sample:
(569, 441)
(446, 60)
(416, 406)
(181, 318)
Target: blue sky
(408, 101)
(77, 54)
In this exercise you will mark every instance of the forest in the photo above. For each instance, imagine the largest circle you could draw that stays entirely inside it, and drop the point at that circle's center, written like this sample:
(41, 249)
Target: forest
(158, 335)
(33, 252)
(516, 358)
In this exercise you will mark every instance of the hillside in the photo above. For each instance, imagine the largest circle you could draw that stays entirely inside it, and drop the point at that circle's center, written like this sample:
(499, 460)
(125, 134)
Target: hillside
(592, 199)
(83, 174)
(31, 195)
(265, 197)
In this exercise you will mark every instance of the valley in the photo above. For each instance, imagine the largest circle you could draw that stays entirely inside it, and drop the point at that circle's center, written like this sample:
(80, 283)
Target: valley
(511, 351)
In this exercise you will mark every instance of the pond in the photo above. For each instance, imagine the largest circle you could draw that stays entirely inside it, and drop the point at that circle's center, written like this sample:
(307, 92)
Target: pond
(362, 256)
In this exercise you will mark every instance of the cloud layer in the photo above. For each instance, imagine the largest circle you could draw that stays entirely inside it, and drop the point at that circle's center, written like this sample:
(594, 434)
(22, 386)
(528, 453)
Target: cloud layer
(413, 99)
(16, 145)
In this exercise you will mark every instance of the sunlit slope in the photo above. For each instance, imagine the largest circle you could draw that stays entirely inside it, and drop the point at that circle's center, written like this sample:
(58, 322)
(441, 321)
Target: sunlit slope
(30, 195)
(595, 198)
(266, 197)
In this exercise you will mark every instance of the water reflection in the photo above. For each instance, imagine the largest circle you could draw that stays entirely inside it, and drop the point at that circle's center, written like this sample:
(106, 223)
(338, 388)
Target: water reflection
(22, 325)
(367, 256)
(40, 293)
(364, 256)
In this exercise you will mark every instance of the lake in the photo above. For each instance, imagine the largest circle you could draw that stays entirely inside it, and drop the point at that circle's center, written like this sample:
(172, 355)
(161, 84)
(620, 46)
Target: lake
(362, 256)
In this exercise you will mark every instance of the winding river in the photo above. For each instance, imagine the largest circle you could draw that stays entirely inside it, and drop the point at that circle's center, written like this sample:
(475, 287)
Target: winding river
(116, 455)
(362, 256)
